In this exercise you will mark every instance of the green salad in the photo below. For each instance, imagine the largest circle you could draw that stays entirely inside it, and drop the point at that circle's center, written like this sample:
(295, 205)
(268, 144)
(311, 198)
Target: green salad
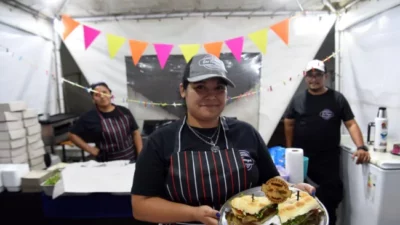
(54, 179)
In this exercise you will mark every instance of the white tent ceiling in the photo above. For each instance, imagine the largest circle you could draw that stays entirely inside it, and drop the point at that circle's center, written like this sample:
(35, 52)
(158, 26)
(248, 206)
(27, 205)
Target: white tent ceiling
(96, 8)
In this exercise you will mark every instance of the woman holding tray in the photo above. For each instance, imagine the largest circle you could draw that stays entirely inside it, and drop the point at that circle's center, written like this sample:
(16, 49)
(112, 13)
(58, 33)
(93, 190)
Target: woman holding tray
(190, 168)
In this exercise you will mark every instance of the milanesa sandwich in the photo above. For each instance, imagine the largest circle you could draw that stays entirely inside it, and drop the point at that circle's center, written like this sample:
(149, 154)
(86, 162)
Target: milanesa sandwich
(304, 211)
(249, 209)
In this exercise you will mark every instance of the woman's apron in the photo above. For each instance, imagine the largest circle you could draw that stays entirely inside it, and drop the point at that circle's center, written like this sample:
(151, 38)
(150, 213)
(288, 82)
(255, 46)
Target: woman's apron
(205, 177)
(117, 142)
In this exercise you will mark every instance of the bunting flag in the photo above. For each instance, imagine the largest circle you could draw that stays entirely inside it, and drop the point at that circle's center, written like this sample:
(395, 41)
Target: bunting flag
(163, 52)
(282, 30)
(259, 38)
(214, 48)
(189, 50)
(69, 25)
(236, 47)
(255, 91)
(137, 50)
(89, 35)
(114, 44)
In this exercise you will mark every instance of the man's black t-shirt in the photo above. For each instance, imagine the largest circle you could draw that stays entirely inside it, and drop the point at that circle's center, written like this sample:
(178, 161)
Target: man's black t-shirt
(317, 126)
(153, 162)
(89, 128)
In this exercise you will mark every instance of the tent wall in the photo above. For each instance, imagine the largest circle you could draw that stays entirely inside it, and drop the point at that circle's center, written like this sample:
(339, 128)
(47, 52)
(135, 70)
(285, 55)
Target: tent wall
(369, 67)
(279, 64)
(26, 53)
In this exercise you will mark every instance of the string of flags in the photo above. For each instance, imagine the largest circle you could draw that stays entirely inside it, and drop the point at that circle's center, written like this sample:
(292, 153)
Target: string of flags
(163, 50)
(32, 65)
(252, 92)
(255, 91)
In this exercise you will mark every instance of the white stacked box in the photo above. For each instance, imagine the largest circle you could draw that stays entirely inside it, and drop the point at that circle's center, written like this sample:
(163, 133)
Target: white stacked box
(13, 141)
(11, 176)
(34, 140)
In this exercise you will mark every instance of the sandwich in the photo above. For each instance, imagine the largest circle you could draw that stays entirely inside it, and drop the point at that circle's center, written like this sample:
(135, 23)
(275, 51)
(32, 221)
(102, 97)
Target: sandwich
(302, 211)
(249, 209)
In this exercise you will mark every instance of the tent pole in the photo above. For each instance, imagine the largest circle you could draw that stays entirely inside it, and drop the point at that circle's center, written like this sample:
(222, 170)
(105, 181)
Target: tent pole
(338, 58)
(58, 71)
(210, 13)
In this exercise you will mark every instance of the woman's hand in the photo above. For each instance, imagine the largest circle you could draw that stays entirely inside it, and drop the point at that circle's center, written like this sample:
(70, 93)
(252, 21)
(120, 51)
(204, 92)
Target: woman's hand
(206, 215)
(306, 187)
(94, 151)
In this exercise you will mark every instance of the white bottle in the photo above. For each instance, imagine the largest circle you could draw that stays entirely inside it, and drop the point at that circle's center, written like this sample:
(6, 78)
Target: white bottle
(381, 130)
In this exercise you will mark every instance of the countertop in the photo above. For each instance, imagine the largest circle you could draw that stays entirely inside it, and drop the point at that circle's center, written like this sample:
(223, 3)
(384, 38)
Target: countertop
(384, 160)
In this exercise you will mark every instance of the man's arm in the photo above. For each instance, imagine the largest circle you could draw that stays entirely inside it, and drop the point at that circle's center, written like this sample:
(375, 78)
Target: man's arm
(355, 132)
(348, 118)
(137, 139)
(356, 136)
(289, 127)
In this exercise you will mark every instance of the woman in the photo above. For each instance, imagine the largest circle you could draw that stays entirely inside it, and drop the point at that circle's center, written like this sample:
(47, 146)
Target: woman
(113, 128)
(190, 168)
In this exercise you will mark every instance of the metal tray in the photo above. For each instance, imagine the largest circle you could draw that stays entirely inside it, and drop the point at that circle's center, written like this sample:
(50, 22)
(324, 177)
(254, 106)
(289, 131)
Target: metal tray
(226, 208)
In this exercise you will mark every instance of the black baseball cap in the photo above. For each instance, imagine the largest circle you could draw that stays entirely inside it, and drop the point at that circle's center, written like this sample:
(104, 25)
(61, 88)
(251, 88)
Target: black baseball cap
(206, 66)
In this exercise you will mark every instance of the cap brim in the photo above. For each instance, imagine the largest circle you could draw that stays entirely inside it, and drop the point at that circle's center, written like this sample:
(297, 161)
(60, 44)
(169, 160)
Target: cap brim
(209, 76)
(315, 69)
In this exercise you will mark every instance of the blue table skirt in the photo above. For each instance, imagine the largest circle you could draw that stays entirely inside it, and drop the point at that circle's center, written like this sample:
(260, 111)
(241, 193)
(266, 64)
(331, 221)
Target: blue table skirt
(96, 205)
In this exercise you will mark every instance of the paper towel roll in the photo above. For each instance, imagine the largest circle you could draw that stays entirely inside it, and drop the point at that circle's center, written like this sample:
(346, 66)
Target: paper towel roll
(294, 164)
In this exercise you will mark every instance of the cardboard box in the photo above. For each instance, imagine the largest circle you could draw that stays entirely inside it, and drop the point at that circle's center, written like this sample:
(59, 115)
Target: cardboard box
(9, 153)
(10, 116)
(31, 181)
(33, 129)
(29, 113)
(36, 153)
(40, 166)
(11, 125)
(35, 145)
(31, 122)
(12, 134)
(14, 106)
(36, 161)
(33, 138)
(18, 159)
(12, 144)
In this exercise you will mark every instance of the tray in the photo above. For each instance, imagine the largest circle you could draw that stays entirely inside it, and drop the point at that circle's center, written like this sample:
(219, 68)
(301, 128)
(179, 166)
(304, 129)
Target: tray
(226, 208)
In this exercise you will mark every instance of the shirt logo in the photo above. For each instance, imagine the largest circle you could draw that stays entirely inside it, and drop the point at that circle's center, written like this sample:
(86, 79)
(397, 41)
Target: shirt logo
(248, 161)
(326, 114)
(211, 63)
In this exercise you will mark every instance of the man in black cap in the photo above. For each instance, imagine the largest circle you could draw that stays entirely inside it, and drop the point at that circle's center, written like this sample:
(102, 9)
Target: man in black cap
(112, 127)
(312, 122)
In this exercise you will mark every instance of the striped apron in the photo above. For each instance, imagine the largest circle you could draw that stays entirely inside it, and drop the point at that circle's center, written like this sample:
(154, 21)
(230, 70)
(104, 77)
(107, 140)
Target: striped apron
(117, 143)
(204, 177)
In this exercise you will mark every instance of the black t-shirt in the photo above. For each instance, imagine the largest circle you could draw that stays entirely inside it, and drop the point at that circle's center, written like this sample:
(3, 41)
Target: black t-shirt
(153, 162)
(318, 119)
(317, 130)
(89, 128)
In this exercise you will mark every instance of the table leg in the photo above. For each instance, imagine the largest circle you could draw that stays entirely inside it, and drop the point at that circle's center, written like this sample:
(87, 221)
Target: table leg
(64, 154)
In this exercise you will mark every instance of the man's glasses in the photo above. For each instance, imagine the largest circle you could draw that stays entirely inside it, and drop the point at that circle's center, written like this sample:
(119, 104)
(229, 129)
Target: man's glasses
(317, 75)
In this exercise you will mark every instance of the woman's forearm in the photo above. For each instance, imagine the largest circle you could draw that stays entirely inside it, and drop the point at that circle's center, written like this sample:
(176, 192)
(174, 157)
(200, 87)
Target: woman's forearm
(158, 210)
(80, 143)
(137, 139)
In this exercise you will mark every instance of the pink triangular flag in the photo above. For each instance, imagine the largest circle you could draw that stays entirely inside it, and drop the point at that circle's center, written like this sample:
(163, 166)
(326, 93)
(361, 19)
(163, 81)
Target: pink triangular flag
(163, 51)
(89, 35)
(236, 47)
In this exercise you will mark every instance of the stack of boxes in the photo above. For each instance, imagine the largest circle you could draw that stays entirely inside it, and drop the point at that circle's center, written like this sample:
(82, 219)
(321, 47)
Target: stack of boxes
(20, 136)
(12, 134)
(35, 145)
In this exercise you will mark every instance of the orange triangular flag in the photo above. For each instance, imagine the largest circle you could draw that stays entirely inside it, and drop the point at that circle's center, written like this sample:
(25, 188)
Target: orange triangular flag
(214, 48)
(137, 50)
(69, 25)
(282, 30)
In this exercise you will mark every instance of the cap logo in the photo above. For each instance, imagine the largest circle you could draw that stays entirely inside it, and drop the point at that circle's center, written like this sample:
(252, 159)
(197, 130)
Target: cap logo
(211, 63)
